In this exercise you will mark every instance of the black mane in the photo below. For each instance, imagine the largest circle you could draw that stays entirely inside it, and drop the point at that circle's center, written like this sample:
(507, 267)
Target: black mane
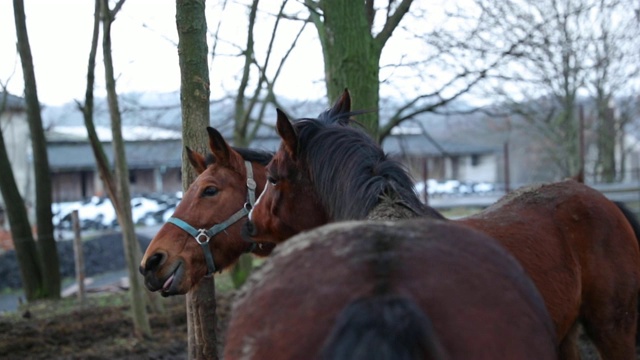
(349, 170)
(259, 156)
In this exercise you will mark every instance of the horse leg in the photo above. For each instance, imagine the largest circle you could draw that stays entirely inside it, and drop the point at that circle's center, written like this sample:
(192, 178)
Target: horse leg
(612, 328)
(568, 348)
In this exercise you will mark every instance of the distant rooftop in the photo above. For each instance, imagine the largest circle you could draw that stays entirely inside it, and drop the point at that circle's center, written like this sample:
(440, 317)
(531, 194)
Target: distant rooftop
(129, 133)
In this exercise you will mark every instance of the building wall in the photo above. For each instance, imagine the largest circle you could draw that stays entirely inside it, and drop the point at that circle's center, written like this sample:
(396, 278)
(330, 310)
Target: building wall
(466, 168)
(74, 185)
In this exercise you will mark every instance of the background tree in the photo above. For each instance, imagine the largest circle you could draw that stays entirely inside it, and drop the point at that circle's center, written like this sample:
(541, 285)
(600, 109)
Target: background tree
(49, 268)
(352, 52)
(24, 243)
(123, 202)
(612, 65)
(565, 54)
(191, 24)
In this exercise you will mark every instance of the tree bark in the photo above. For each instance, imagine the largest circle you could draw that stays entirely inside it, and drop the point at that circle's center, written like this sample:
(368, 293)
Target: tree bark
(123, 211)
(46, 245)
(352, 53)
(23, 241)
(194, 96)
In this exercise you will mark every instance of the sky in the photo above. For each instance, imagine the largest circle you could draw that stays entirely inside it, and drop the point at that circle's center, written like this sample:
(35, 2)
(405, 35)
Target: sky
(144, 40)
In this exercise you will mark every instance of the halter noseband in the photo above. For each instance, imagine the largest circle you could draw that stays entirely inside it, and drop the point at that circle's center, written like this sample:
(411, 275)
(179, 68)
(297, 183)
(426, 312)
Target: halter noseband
(203, 236)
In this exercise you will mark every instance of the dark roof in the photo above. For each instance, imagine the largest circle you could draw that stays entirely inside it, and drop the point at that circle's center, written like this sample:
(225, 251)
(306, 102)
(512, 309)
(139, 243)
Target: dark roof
(418, 144)
(68, 155)
(72, 156)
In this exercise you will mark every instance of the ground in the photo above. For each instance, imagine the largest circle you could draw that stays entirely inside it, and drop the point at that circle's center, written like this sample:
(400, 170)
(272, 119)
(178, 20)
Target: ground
(102, 329)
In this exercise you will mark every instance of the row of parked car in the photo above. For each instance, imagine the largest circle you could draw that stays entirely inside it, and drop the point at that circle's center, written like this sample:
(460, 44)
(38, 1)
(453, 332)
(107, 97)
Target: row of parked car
(98, 212)
(454, 187)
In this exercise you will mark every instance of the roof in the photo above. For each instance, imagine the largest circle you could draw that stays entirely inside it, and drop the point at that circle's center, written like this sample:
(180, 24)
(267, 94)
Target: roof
(73, 156)
(129, 133)
(420, 145)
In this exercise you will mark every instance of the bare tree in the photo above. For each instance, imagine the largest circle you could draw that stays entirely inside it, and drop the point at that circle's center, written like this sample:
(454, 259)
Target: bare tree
(122, 195)
(24, 243)
(49, 269)
(352, 51)
(191, 24)
(613, 64)
(564, 51)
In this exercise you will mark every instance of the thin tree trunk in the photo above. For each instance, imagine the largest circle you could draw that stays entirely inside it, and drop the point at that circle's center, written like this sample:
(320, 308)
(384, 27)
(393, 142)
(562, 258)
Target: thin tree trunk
(23, 241)
(131, 246)
(46, 245)
(102, 162)
(194, 95)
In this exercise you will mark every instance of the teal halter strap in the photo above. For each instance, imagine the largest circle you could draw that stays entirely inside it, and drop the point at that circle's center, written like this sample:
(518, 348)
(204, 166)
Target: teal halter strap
(203, 236)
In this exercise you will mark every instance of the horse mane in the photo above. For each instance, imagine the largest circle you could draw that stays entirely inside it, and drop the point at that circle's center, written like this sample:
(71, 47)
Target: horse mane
(259, 156)
(350, 171)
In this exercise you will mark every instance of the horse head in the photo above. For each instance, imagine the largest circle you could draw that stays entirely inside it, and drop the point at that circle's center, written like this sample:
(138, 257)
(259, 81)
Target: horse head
(204, 234)
(289, 203)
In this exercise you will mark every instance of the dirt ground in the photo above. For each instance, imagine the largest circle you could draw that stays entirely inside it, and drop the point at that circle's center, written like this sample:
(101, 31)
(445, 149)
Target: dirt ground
(100, 330)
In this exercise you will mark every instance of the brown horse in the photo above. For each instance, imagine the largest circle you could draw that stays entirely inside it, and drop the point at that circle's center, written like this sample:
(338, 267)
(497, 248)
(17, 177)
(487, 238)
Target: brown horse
(576, 245)
(203, 236)
(412, 289)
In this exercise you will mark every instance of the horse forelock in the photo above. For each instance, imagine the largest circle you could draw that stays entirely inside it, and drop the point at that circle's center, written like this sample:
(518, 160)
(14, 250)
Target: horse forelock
(350, 171)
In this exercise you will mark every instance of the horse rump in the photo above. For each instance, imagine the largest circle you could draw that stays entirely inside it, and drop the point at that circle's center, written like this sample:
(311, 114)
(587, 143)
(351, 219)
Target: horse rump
(382, 327)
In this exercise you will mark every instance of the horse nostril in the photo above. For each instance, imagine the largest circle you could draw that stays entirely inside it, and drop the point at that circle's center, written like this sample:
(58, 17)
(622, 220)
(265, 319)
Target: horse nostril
(153, 262)
(249, 229)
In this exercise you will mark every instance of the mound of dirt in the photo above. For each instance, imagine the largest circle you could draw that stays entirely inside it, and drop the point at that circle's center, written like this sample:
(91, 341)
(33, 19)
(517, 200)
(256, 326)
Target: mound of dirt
(97, 332)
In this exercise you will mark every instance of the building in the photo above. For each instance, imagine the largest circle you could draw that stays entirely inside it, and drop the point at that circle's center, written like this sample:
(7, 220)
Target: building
(153, 156)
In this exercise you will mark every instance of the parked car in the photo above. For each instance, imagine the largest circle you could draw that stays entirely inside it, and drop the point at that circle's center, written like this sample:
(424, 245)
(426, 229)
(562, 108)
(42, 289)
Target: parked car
(98, 212)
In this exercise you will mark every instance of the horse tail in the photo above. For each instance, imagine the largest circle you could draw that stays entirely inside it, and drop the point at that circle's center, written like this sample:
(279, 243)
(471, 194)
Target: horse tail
(632, 219)
(382, 327)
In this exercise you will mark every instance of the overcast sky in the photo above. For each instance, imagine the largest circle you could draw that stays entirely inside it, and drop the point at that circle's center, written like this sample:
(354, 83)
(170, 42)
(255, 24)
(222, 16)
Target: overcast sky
(145, 56)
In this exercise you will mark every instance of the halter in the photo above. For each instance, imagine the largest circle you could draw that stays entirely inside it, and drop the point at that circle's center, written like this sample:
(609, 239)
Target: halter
(203, 236)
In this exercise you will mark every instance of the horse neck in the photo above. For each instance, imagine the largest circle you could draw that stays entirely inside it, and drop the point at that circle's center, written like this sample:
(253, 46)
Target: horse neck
(390, 209)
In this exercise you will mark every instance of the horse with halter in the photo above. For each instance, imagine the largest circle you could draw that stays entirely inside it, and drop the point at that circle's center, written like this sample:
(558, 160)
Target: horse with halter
(577, 246)
(204, 234)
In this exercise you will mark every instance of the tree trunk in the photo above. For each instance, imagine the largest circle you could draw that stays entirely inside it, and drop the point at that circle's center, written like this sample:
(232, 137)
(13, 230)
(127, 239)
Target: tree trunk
(46, 245)
(130, 242)
(352, 53)
(606, 144)
(351, 57)
(194, 96)
(23, 241)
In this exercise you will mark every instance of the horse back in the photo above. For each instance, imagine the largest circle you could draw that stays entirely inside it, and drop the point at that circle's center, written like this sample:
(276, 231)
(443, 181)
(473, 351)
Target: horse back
(466, 286)
(570, 238)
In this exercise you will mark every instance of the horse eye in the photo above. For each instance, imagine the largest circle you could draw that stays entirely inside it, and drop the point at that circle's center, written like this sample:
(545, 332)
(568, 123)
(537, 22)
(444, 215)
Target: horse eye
(210, 191)
(272, 180)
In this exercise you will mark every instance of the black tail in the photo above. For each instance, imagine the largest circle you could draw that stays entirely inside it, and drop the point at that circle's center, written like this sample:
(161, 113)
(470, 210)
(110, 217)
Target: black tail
(382, 327)
(631, 218)
(635, 224)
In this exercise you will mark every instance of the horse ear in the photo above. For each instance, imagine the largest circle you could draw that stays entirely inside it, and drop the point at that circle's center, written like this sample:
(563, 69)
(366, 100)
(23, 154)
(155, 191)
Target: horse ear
(219, 147)
(197, 160)
(342, 106)
(288, 133)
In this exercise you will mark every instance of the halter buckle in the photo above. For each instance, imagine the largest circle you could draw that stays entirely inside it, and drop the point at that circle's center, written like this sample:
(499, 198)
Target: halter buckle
(251, 184)
(202, 232)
